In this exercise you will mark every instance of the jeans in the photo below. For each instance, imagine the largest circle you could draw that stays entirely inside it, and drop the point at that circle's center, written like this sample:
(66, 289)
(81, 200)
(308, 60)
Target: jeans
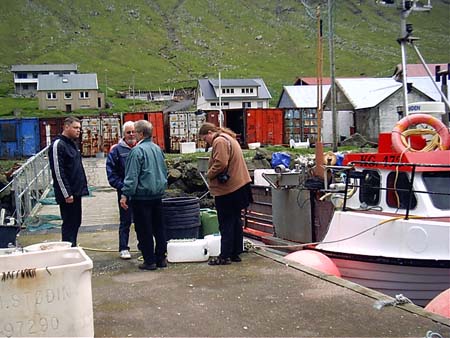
(126, 218)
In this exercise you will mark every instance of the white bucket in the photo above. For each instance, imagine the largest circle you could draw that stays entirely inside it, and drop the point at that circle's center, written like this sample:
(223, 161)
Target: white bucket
(187, 250)
(46, 293)
(44, 246)
(213, 244)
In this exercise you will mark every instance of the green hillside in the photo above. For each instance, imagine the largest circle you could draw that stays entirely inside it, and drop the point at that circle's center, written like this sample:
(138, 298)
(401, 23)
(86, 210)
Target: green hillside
(171, 43)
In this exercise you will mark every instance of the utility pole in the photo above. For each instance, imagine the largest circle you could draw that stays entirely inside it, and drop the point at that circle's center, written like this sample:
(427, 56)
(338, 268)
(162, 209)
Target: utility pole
(220, 103)
(106, 86)
(134, 96)
(332, 73)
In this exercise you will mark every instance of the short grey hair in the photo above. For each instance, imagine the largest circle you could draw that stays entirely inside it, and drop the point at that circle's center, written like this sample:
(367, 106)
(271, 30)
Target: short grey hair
(127, 124)
(144, 127)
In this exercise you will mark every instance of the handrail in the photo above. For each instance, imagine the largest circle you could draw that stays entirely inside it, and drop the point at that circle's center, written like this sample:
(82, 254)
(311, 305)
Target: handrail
(30, 182)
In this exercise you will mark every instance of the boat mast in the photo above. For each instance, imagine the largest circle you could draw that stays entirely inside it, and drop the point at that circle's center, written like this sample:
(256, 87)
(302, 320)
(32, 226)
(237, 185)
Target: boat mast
(319, 170)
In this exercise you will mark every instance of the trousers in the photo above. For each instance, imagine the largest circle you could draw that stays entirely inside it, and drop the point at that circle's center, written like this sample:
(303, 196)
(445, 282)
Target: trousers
(71, 217)
(126, 218)
(148, 224)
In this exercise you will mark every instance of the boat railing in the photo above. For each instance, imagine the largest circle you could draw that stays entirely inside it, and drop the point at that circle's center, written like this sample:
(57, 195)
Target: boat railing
(344, 173)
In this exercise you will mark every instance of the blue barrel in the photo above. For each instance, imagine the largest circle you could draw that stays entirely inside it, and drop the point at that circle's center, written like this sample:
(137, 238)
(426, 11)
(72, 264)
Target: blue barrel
(181, 217)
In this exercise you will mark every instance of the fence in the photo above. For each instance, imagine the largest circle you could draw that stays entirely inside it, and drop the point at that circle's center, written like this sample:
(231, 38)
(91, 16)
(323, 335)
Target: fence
(30, 183)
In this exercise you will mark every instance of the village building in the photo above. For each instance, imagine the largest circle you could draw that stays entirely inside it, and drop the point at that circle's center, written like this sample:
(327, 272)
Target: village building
(232, 97)
(26, 76)
(69, 92)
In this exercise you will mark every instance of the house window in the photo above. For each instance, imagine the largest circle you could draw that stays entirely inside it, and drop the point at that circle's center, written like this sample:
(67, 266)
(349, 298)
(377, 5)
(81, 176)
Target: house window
(226, 104)
(223, 91)
(51, 107)
(84, 95)
(51, 95)
(213, 104)
(22, 75)
(232, 90)
(397, 196)
(243, 90)
(85, 106)
(35, 75)
(260, 104)
(246, 104)
(25, 86)
(251, 90)
(68, 95)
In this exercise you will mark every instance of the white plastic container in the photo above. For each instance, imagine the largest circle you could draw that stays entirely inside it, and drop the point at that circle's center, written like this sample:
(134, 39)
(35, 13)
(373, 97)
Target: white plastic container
(187, 250)
(187, 147)
(213, 244)
(44, 246)
(46, 294)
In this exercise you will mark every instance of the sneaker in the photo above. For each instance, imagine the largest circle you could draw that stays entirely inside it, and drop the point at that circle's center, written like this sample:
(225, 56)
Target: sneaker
(125, 254)
(145, 266)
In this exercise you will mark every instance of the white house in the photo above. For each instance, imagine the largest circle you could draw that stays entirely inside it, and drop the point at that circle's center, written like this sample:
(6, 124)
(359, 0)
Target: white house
(233, 93)
(26, 76)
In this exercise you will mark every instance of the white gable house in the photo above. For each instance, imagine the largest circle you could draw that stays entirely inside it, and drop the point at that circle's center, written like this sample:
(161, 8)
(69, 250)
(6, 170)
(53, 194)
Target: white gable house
(233, 94)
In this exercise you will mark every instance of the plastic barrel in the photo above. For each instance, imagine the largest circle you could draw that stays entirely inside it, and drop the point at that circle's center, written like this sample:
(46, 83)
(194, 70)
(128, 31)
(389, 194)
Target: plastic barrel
(181, 216)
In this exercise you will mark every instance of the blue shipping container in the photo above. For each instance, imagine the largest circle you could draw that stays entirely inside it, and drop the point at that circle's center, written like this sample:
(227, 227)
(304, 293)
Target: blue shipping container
(19, 137)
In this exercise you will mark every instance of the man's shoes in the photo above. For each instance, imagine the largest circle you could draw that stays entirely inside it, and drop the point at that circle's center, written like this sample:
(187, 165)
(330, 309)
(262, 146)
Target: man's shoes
(236, 259)
(162, 264)
(125, 254)
(145, 266)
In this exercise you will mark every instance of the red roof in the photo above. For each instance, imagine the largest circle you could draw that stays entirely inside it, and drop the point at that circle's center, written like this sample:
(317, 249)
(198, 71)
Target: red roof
(416, 70)
(311, 81)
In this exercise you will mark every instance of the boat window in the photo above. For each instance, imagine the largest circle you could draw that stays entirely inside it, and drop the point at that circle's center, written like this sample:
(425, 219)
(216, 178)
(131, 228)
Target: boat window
(397, 195)
(369, 192)
(438, 182)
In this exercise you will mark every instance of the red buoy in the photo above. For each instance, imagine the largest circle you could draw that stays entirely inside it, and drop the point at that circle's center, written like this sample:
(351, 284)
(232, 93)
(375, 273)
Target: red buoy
(315, 260)
(440, 304)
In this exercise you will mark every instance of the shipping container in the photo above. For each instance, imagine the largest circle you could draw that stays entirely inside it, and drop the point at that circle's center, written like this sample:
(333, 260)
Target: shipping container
(300, 125)
(264, 125)
(156, 119)
(19, 138)
(184, 127)
(98, 134)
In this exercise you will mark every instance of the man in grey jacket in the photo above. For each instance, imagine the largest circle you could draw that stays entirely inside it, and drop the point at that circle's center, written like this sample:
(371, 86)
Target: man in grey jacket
(143, 187)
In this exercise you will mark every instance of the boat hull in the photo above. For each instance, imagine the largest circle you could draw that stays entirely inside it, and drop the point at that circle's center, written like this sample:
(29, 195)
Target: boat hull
(419, 282)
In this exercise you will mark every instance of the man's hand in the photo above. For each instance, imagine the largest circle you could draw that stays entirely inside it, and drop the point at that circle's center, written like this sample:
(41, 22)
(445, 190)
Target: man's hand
(69, 199)
(123, 202)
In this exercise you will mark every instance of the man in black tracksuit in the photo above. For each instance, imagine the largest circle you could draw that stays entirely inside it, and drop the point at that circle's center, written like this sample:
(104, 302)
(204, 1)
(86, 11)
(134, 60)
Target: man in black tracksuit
(69, 178)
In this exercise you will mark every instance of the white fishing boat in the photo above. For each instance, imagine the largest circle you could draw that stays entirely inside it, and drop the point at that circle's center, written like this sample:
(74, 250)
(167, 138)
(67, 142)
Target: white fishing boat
(391, 227)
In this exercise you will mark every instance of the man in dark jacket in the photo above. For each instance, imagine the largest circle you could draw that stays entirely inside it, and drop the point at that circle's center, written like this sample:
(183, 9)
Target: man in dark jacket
(144, 186)
(69, 178)
(115, 170)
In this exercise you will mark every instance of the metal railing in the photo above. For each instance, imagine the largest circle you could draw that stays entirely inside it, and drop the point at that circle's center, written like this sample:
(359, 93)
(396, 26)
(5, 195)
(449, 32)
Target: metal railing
(30, 183)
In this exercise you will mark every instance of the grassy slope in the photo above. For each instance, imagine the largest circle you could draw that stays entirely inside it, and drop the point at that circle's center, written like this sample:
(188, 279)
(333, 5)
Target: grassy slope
(171, 43)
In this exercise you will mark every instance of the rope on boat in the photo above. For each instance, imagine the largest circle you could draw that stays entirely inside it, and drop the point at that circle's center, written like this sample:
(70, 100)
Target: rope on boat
(301, 246)
(399, 300)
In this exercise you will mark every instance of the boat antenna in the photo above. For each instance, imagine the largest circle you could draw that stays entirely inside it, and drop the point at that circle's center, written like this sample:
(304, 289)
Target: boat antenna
(406, 30)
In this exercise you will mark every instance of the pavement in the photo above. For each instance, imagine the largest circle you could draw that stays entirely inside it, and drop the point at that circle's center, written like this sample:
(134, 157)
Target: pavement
(262, 296)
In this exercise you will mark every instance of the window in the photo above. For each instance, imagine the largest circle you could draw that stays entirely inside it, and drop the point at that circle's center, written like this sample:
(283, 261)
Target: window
(85, 106)
(243, 90)
(438, 182)
(223, 91)
(25, 86)
(213, 104)
(51, 95)
(225, 104)
(51, 107)
(397, 195)
(22, 75)
(369, 191)
(68, 95)
(84, 95)
(251, 90)
(259, 104)
(232, 90)
(35, 75)
(246, 104)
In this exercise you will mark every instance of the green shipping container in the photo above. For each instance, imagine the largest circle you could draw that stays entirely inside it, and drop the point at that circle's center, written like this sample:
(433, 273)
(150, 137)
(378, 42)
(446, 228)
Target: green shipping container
(209, 222)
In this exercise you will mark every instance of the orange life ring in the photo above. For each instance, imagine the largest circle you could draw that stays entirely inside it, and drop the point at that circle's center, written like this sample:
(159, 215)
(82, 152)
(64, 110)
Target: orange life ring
(414, 119)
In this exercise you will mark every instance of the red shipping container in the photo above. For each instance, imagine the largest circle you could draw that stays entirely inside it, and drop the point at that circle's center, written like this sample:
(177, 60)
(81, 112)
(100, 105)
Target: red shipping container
(156, 119)
(264, 125)
(49, 128)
